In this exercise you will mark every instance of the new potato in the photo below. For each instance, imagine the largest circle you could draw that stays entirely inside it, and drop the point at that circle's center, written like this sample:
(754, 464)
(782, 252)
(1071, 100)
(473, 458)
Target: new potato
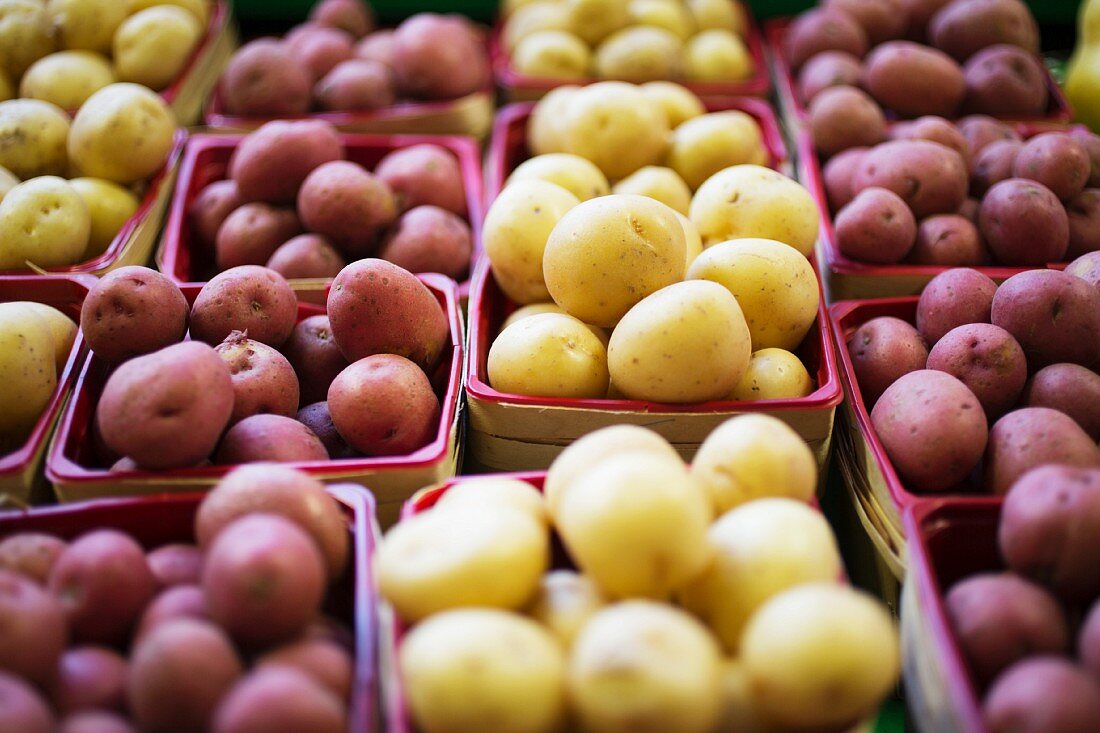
(549, 355)
(123, 133)
(680, 104)
(25, 35)
(152, 45)
(110, 206)
(717, 55)
(564, 603)
(616, 127)
(773, 374)
(61, 327)
(546, 128)
(43, 221)
(496, 490)
(552, 54)
(576, 175)
(640, 54)
(32, 138)
(660, 184)
(704, 145)
(595, 20)
(28, 375)
(66, 78)
(721, 14)
(87, 25)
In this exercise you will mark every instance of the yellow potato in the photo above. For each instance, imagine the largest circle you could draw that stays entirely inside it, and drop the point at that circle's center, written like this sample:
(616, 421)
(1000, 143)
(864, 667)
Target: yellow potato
(535, 17)
(640, 53)
(636, 525)
(515, 232)
(546, 126)
(586, 454)
(758, 550)
(616, 127)
(479, 669)
(553, 55)
(43, 221)
(123, 133)
(608, 253)
(66, 78)
(716, 55)
(727, 15)
(753, 201)
(152, 46)
(548, 355)
(200, 9)
(32, 138)
(110, 206)
(8, 181)
(752, 457)
(739, 711)
(535, 309)
(775, 286)
(7, 91)
(462, 556)
(680, 104)
(62, 330)
(643, 667)
(510, 6)
(658, 183)
(704, 145)
(28, 376)
(576, 175)
(564, 602)
(86, 25)
(668, 14)
(685, 343)
(25, 35)
(820, 655)
(774, 374)
(595, 20)
(691, 235)
(495, 491)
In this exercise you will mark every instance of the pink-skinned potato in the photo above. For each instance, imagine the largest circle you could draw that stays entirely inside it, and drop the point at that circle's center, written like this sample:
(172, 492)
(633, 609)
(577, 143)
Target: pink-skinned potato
(429, 239)
(383, 405)
(35, 631)
(876, 226)
(1091, 142)
(919, 13)
(319, 48)
(1087, 268)
(307, 256)
(981, 130)
(948, 239)
(376, 307)
(837, 176)
(252, 233)
(312, 351)
(271, 163)
(933, 429)
(827, 69)
(280, 699)
(1031, 437)
(1088, 641)
(247, 298)
(263, 379)
(1043, 694)
(930, 177)
(438, 57)
(264, 579)
(987, 360)
(31, 554)
(845, 117)
(882, 20)
(424, 175)
(1068, 388)
(1083, 211)
(210, 208)
(1055, 317)
(993, 164)
(95, 721)
(103, 583)
(23, 709)
(132, 311)
(965, 27)
(179, 672)
(179, 601)
(914, 80)
(356, 84)
(350, 16)
(275, 489)
(882, 350)
(823, 29)
(1024, 223)
(167, 409)
(378, 46)
(1006, 81)
(1057, 161)
(969, 210)
(90, 678)
(325, 661)
(317, 418)
(264, 79)
(175, 564)
(935, 129)
(348, 205)
(266, 437)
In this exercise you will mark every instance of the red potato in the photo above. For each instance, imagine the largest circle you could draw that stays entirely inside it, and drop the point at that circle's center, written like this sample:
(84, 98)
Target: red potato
(246, 298)
(948, 239)
(845, 117)
(883, 350)
(1088, 641)
(1083, 211)
(1087, 268)
(264, 79)
(356, 84)
(319, 48)
(317, 418)
(350, 16)
(383, 405)
(1071, 389)
(328, 629)
(264, 579)
(827, 69)
(312, 351)
(252, 233)
(347, 205)
(935, 129)
(179, 672)
(1091, 144)
(882, 20)
(1031, 437)
(274, 489)
(131, 311)
(378, 46)
(919, 13)
(179, 601)
(930, 177)
(823, 29)
(326, 662)
(969, 211)
(90, 678)
(34, 630)
(278, 698)
(263, 380)
(31, 554)
(424, 175)
(271, 163)
(429, 239)
(167, 409)
(175, 564)
(876, 226)
(1006, 81)
(1044, 694)
(214, 203)
(837, 176)
(267, 437)
(378, 308)
(307, 256)
(965, 27)
(1024, 223)
(993, 164)
(981, 130)
(1057, 161)
(1055, 317)
(103, 583)
(914, 80)
(22, 709)
(438, 57)
(95, 721)
(987, 360)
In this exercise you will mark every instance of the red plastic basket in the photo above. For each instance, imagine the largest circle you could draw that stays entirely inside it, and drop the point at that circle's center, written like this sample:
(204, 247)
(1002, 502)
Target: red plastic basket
(158, 520)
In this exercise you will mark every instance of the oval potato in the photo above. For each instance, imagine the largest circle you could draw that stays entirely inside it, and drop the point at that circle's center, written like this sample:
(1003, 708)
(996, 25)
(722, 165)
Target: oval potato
(66, 78)
(32, 138)
(576, 175)
(28, 376)
(549, 355)
(123, 133)
(43, 221)
(110, 206)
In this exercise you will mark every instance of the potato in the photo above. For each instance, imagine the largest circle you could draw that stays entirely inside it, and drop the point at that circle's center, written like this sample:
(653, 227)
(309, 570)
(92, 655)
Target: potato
(948, 239)
(178, 673)
(1087, 268)
(692, 239)
(132, 311)
(646, 667)
(265, 78)
(1068, 388)
(270, 164)
(933, 429)
(152, 46)
(760, 549)
(827, 69)
(883, 350)
(90, 678)
(930, 177)
(95, 721)
(110, 207)
(595, 20)
(739, 710)
(531, 18)
(914, 80)
(688, 342)
(552, 54)
(999, 618)
(66, 78)
(565, 601)
(43, 221)
(1083, 212)
(1055, 160)
(8, 181)
(753, 201)
(26, 35)
(181, 601)
(837, 176)
(24, 708)
(668, 14)
(274, 697)
(32, 137)
(1054, 316)
(348, 205)
(706, 144)
(547, 125)
(820, 654)
(1043, 693)
(491, 555)
(876, 226)
(773, 374)
(972, 25)
(1087, 640)
(319, 48)
(215, 202)
(1031, 437)
(326, 663)
(306, 256)
(575, 174)
(87, 25)
(845, 117)
(31, 554)
(429, 239)
(251, 234)
(1006, 81)
(375, 307)
(987, 360)
(936, 129)
(954, 298)
(200, 9)
(883, 20)
(481, 490)
(353, 16)
(28, 372)
(422, 175)
(680, 104)
(549, 355)
(823, 29)
(175, 564)
(993, 164)
(123, 133)
(61, 328)
(615, 126)
(481, 669)
(36, 629)
(246, 298)
(969, 210)
(103, 583)
(267, 437)
(1091, 143)
(721, 14)
(312, 351)
(982, 130)
(717, 56)
(663, 185)
(355, 84)
(606, 520)
(263, 380)
(439, 57)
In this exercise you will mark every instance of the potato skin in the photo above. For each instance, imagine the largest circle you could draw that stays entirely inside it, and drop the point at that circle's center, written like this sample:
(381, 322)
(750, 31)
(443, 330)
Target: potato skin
(90, 678)
(350, 16)
(967, 27)
(1068, 388)
(271, 163)
(993, 164)
(316, 417)
(268, 437)
(1087, 268)
(346, 204)
(214, 203)
(319, 48)
(1083, 211)
(1024, 223)
(930, 177)
(312, 351)
(823, 29)
(1055, 160)
(43, 221)
(429, 239)
(954, 298)
(263, 380)
(1040, 694)
(307, 256)
(279, 697)
(246, 298)
(175, 564)
(33, 134)
(980, 130)
(837, 176)
(36, 629)
(264, 78)
(423, 175)
(180, 601)
(1054, 316)
(252, 233)
(132, 311)
(845, 117)
(948, 239)
(24, 708)
(914, 80)
(1006, 81)
(438, 57)
(1030, 437)
(987, 360)
(31, 554)
(876, 226)
(883, 20)
(152, 46)
(122, 133)
(355, 84)
(883, 350)
(827, 69)
(1088, 641)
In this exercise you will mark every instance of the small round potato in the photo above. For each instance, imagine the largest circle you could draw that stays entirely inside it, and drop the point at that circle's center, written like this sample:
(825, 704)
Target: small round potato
(616, 127)
(265, 78)
(546, 128)
(837, 176)
(549, 355)
(595, 20)
(552, 54)
(954, 298)
(26, 35)
(1006, 81)
(706, 144)
(773, 374)
(198, 8)
(913, 80)
(110, 207)
(883, 350)
(564, 603)
(827, 69)
(948, 239)
(1031, 437)
(672, 15)
(61, 328)
(660, 184)
(131, 311)
(640, 54)
(66, 78)
(87, 25)
(32, 138)
(28, 376)
(44, 221)
(123, 133)
(679, 103)
(576, 175)
(534, 17)
(884, 20)
(930, 177)
(481, 490)
(876, 226)
(823, 29)
(717, 55)
(844, 117)
(152, 45)
(986, 359)
(966, 27)
(692, 239)
(1042, 693)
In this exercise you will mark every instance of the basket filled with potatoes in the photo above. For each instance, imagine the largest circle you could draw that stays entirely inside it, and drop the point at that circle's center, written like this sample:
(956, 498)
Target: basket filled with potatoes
(429, 75)
(304, 200)
(714, 47)
(41, 354)
(932, 194)
(624, 589)
(250, 607)
(365, 388)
